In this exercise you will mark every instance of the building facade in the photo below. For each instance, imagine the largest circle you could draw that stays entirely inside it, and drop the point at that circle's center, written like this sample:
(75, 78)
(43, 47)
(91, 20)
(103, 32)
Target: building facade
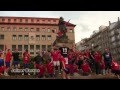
(114, 34)
(106, 37)
(34, 34)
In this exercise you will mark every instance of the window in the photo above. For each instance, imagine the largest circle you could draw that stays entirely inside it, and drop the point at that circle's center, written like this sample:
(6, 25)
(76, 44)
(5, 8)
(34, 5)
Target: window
(37, 20)
(26, 37)
(20, 20)
(37, 48)
(8, 28)
(31, 29)
(43, 47)
(9, 20)
(13, 47)
(43, 20)
(14, 29)
(54, 20)
(26, 29)
(1, 47)
(112, 32)
(1, 37)
(31, 48)
(49, 37)
(114, 44)
(43, 29)
(49, 47)
(113, 39)
(15, 20)
(37, 37)
(48, 30)
(19, 47)
(14, 37)
(48, 21)
(20, 29)
(20, 37)
(37, 29)
(43, 37)
(70, 30)
(3, 19)
(25, 47)
(32, 20)
(55, 30)
(26, 20)
(2, 28)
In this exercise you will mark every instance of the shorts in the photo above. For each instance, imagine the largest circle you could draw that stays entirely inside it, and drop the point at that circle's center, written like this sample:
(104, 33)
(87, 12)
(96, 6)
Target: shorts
(107, 65)
(7, 64)
(56, 63)
(1, 62)
(66, 60)
(15, 63)
(26, 65)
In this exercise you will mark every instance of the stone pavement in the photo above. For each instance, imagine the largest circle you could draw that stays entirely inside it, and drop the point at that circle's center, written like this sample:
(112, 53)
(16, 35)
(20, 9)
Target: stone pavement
(75, 76)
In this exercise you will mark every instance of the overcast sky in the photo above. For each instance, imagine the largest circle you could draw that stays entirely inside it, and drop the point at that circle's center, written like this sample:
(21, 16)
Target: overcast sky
(86, 21)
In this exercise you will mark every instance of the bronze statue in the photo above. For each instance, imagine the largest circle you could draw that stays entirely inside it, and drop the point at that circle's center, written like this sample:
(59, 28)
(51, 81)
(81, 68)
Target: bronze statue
(62, 26)
(61, 35)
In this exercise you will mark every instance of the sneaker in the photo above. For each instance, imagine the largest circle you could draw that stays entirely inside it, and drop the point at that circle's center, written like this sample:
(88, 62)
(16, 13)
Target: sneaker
(28, 73)
(22, 73)
(59, 72)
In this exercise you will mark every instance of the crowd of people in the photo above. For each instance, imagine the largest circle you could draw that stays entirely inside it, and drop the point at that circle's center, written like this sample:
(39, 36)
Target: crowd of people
(63, 60)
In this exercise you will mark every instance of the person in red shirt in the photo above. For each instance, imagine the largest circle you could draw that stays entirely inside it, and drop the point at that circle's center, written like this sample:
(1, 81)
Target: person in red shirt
(7, 62)
(97, 58)
(41, 68)
(65, 67)
(73, 68)
(85, 68)
(55, 58)
(26, 60)
(50, 68)
(1, 62)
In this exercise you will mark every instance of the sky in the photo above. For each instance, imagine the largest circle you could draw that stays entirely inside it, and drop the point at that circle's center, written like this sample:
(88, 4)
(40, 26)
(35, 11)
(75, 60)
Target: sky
(86, 21)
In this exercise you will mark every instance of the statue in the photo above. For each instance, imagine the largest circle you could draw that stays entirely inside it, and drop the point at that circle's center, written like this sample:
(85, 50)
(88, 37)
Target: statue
(62, 26)
(61, 35)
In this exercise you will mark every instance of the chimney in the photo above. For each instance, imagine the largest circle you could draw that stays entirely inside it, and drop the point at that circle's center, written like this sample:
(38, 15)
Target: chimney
(118, 19)
(109, 23)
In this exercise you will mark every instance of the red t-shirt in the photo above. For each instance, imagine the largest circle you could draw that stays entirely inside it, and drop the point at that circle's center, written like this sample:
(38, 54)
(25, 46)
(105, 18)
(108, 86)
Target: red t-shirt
(97, 57)
(70, 56)
(2, 69)
(8, 57)
(26, 57)
(115, 66)
(42, 70)
(55, 55)
(85, 67)
(86, 54)
(73, 68)
(50, 68)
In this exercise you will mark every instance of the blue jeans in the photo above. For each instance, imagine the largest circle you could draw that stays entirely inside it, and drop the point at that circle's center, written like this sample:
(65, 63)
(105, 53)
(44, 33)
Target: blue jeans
(1, 62)
(15, 63)
(26, 65)
(7, 64)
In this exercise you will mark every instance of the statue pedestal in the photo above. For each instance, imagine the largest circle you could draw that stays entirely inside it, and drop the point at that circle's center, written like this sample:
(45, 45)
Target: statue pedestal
(67, 43)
